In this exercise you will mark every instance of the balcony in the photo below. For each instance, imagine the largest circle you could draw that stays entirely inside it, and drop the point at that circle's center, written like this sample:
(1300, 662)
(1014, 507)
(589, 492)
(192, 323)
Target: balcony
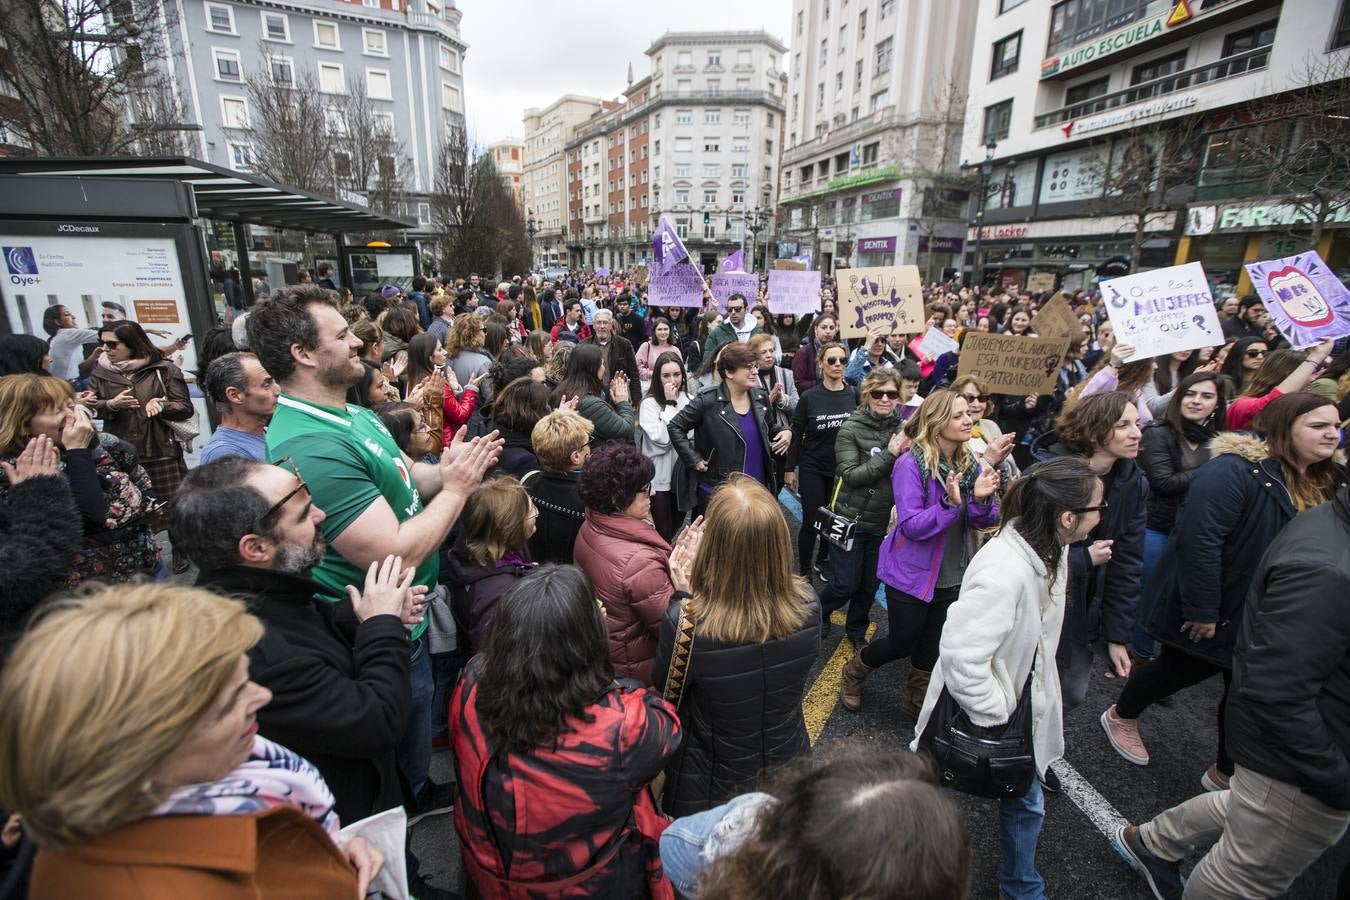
(863, 125)
(1229, 67)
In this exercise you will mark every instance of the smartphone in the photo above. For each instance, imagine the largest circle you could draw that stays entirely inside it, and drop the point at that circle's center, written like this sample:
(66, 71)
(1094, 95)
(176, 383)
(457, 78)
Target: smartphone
(185, 338)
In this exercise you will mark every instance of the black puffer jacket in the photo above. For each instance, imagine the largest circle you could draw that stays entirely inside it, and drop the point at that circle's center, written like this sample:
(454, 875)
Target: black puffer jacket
(713, 420)
(1168, 482)
(1289, 707)
(741, 711)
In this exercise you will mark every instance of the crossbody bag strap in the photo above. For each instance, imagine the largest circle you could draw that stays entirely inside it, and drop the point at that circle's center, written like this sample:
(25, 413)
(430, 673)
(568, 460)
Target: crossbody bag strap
(680, 657)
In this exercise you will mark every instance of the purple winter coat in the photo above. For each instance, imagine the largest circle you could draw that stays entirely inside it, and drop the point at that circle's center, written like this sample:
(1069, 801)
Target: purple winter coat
(911, 555)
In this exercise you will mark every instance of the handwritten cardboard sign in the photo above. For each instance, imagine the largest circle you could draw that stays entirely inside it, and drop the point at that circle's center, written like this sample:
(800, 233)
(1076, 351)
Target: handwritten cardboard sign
(724, 284)
(679, 285)
(791, 265)
(1040, 282)
(794, 291)
(1163, 311)
(638, 274)
(887, 296)
(1305, 299)
(1018, 366)
(1056, 318)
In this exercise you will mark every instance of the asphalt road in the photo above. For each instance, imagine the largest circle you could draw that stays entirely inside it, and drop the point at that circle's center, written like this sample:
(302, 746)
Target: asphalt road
(1074, 856)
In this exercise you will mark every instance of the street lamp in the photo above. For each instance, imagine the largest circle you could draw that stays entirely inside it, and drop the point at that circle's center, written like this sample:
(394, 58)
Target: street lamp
(531, 228)
(986, 169)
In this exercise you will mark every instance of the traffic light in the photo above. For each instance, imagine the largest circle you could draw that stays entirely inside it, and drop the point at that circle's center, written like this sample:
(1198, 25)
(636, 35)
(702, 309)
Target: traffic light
(707, 217)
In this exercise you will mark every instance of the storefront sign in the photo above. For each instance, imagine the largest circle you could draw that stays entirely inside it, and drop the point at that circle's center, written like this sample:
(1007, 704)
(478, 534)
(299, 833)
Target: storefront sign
(941, 245)
(1306, 300)
(876, 245)
(888, 297)
(1163, 311)
(1001, 233)
(1106, 45)
(1209, 219)
(1077, 227)
(1073, 175)
(1128, 115)
(879, 196)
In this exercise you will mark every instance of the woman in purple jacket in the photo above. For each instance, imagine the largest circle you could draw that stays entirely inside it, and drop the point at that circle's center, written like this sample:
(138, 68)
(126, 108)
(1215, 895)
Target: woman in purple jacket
(943, 496)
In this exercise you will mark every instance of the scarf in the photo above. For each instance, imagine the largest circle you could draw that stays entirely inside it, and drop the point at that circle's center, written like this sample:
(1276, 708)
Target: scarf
(944, 469)
(127, 366)
(1199, 432)
(271, 776)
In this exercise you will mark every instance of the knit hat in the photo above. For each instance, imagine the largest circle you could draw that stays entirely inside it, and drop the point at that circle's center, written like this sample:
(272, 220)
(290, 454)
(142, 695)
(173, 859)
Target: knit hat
(389, 292)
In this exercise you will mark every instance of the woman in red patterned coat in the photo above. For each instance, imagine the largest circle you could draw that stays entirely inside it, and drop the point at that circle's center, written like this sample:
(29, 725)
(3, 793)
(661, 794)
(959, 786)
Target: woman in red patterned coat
(553, 756)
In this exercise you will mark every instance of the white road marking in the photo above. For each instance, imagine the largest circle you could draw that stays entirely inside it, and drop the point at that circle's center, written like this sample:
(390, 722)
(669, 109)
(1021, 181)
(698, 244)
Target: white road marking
(1092, 804)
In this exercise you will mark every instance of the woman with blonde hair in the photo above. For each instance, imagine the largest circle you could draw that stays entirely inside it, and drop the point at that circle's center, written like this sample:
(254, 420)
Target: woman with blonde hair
(491, 555)
(540, 346)
(756, 631)
(943, 497)
(142, 773)
(464, 348)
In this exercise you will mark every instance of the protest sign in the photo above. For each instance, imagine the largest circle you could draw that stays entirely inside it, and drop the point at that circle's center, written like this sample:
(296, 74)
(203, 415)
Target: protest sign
(602, 272)
(638, 274)
(1056, 319)
(1040, 282)
(724, 284)
(679, 285)
(1018, 366)
(793, 292)
(789, 264)
(935, 343)
(1163, 311)
(1304, 298)
(886, 296)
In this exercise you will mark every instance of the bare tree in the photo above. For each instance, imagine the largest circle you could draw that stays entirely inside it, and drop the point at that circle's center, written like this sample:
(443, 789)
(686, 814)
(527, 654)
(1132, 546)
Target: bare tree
(289, 126)
(933, 158)
(1299, 145)
(83, 76)
(369, 158)
(474, 213)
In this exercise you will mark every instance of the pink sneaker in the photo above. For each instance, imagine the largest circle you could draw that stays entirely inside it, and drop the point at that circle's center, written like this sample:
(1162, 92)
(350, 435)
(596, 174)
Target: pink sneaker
(1124, 737)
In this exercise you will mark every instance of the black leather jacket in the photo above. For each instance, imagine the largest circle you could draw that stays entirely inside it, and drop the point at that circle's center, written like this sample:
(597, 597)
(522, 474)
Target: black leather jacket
(717, 435)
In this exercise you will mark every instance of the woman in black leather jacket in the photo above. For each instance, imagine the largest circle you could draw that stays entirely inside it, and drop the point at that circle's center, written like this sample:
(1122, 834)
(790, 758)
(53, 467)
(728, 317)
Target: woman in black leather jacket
(735, 428)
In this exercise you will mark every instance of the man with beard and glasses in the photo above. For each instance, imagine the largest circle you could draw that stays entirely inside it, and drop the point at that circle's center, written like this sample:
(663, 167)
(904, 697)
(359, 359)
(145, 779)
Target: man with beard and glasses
(338, 671)
(377, 501)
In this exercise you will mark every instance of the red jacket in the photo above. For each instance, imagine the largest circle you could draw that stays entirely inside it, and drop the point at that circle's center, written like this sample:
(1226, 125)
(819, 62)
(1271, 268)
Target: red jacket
(569, 820)
(628, 563)
(456, 412)
(583, 331)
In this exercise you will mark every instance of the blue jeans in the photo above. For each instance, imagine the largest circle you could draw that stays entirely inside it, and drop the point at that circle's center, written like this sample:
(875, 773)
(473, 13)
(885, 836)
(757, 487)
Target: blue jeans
(853, 581)
(445, 669)
(414, 748)
(1143, 644)
(683, 841)
(1019, 829)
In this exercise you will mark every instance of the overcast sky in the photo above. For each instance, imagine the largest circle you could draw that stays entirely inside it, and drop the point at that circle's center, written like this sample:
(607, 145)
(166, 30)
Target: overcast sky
(525, 53)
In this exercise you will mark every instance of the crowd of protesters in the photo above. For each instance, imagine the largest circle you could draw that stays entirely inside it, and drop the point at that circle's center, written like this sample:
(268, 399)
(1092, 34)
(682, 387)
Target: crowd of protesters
(544, 525)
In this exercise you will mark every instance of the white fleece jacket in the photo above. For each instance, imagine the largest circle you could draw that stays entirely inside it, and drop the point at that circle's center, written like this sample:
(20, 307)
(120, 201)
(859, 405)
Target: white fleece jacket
(1008, 614)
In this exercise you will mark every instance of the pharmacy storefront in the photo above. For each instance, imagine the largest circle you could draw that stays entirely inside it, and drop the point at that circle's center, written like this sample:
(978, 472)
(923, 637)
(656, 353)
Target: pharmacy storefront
(1223, 236)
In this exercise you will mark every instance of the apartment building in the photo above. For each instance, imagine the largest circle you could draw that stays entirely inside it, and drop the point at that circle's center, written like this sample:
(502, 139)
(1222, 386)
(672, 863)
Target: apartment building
(697, 140)
(876, 106)
(1066, 96)
(407, 54)
(509, 158)
(544, 177)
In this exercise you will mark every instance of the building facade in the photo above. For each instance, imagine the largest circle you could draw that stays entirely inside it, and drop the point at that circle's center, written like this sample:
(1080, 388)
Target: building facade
(544, 178)
(509, 158)
(406, 54)
(1119, 136)
(875, 112)
(698, 140)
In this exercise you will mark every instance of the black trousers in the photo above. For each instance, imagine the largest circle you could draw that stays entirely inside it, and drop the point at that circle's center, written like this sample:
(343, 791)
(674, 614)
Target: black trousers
(1162, 677)
(665, 516)
(914, 629)
(814, 490)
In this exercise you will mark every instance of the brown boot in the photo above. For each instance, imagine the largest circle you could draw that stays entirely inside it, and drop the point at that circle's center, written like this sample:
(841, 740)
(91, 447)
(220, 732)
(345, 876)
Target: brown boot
(916, 688)
(851, 683)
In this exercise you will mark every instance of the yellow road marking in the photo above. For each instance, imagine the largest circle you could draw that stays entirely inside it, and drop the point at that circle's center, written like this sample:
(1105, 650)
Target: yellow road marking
(823, 696)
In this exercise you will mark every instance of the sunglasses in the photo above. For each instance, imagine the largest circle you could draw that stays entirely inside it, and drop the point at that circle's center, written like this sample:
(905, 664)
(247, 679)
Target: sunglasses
(973, 398)
(835, 361)
(1101, 507)
(1254, 354)
(732, 309)
(111, 344)
(288, 464)
(884, 395)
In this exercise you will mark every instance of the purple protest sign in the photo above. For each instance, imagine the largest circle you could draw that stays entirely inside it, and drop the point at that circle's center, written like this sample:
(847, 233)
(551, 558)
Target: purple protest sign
(678, 285)
(794, 291)
(733, 263)
(1305, 299)
(667, 248)
(602, 272)
(724, 284)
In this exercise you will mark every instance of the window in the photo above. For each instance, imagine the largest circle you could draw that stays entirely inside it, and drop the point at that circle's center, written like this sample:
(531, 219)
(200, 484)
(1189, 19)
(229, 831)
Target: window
(800, 23)
(884, 53)
(824, 52)
(881, 100)
(807, 173)
(1074, 22)
(1005, 5)
(282, 71)
(1158, 68)
(684, 145)
(234, 112)
(450, 97)
(684, 86)
(862, 26)
(220, 18)
(714, 87)
(710, 230)
(823, 168)
(373, 42)
(738, 198)
(276, 27)
(741, 116)
(857, 76)
(715, 58)
(869, 154)
(331, 80)
(743, 58)
(740, 145)
(997, 121)
(684, 58)
(1342, 34)
(838, 82)
(682, 226)
(1085, 92)
(820, 96)
(682, 196)
(326, 36)
(712, 170)
(227, 65)
(684, 117)
(740, 170)
(841, 162)
(710, 198)
(1006, 54)
(241, 157)
(449, 58)
(373, 4)
(712, 117)
(1262, 35)
(885, 9)
(378, 86)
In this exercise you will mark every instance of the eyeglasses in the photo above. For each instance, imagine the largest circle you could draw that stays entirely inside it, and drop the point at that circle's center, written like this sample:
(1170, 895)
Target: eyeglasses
(976, 398)
(1088, 509)
(1254, 354)
(884, 394)
(732, 309)
(111, 344)
(288, 464)
(424, 428)
(835, 361)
